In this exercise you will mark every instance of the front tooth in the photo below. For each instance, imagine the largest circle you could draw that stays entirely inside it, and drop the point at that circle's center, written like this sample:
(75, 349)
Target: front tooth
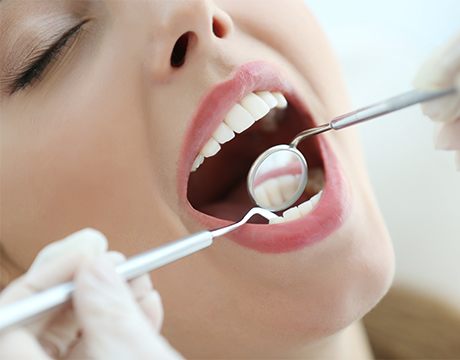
(277, 220)
(239, 119)
(198, 161)
(314, 200)
(255, 106)
(292, 213)
(288, 184)
(223, 134)
(261, 197)
(273, 191)
(211, 148)
(268, 97)
(281, 100)
(305, 207)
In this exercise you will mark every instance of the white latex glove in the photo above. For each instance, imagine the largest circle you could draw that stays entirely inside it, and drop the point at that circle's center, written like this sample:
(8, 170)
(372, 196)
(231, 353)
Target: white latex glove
(109, 319)
(442, 70)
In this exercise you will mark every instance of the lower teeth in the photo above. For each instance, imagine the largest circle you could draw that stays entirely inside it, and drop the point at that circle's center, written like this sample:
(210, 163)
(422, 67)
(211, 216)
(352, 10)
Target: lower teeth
(315, 184)
(296, 212)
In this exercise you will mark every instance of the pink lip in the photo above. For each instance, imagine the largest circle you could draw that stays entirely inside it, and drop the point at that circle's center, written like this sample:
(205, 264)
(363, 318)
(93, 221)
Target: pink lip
(326, 217)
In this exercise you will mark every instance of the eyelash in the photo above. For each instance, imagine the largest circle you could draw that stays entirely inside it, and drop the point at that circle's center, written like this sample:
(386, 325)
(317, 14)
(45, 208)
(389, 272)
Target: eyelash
(35, 70)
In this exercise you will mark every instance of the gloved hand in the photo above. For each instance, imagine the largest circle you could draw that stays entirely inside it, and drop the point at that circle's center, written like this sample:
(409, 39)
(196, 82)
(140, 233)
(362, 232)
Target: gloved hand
(442, 70)
(108, 320)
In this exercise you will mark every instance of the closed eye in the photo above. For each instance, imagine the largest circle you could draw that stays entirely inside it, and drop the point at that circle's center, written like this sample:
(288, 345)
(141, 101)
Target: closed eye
(33, 72)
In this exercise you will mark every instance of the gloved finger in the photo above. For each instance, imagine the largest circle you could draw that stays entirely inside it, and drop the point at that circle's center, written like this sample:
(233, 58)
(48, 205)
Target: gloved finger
(448, 136)
(87, 242)
(145, 295)
(148, 299)
(103, 299)
(109, 314)
(62, 333)
(19, 344)
(446, 109)
(440, 69)
(44, 274)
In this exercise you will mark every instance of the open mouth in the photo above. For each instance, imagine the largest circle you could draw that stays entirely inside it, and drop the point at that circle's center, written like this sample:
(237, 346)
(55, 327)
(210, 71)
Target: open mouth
(235, 123)
(257, 122)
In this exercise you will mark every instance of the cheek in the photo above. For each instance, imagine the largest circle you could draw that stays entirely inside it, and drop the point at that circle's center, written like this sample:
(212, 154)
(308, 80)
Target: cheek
(77, 164)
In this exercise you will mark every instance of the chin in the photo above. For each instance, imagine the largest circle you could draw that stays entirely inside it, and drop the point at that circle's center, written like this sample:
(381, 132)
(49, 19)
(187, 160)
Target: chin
(356, 269)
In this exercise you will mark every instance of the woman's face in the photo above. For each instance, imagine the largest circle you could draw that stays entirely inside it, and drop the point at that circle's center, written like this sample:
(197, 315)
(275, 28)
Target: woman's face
(106, 104)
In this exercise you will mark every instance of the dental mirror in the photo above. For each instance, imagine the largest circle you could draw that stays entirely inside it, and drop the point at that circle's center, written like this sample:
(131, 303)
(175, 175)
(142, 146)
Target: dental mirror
(278, 177)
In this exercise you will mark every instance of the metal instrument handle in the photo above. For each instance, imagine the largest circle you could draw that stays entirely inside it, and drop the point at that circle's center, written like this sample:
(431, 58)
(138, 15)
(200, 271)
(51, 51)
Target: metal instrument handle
(388, 106)
(44, 301)
(165, 254)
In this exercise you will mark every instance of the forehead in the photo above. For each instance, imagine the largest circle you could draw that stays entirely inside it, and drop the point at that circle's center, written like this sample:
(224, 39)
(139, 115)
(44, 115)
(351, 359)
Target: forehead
(24, 14)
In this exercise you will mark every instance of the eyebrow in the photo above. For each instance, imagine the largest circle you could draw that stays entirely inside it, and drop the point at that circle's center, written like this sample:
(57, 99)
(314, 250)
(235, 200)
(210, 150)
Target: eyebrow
(37, 22)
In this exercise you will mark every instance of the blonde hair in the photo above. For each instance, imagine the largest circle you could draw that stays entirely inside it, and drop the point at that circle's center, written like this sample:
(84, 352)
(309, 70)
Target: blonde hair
(406, 324)
(412, 324)
(9, 270)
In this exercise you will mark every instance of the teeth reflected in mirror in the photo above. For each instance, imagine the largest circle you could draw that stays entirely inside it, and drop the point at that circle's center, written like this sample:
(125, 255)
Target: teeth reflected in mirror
(278, 178)
(274, 192)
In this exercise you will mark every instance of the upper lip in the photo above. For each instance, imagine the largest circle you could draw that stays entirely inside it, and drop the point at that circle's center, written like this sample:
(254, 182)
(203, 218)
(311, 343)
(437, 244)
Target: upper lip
(251, 77)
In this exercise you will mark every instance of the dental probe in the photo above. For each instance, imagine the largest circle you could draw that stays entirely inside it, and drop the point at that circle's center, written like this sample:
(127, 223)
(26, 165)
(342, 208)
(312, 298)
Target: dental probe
(288, 157)
(384, 107)
(46, 300)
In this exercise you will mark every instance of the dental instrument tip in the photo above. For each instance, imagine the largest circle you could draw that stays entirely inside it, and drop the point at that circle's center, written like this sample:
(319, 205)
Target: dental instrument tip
(254, 211)
(262, 212)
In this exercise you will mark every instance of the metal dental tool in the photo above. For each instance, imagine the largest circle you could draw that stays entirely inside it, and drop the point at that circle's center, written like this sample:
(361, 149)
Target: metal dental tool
(31, 307)
(286, 164)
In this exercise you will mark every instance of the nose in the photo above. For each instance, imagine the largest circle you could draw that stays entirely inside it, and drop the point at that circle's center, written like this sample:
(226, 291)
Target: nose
(184, 27)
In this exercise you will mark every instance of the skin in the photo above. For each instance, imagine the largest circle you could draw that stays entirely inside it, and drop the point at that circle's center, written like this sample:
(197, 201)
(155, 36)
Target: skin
(91, 145)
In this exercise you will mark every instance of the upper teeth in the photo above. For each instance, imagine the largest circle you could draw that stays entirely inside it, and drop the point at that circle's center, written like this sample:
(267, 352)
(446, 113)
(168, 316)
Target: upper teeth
(241, 116)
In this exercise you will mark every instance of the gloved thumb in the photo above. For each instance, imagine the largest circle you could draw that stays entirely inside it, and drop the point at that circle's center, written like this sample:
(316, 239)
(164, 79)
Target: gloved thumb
(113, 324)
(441, 68)
(442, 71)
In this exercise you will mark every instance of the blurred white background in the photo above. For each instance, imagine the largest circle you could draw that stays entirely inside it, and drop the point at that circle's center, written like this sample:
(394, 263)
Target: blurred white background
(381, 44)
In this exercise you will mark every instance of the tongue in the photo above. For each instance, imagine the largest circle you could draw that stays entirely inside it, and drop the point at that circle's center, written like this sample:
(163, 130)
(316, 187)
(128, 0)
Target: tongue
(233, 206)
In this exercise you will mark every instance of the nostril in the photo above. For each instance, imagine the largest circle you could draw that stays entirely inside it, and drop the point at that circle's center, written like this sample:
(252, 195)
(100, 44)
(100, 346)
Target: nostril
(180, 50)
(218, 28)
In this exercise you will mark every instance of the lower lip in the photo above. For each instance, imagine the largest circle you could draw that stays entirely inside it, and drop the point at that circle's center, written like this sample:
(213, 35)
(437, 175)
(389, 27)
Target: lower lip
(327, 216)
